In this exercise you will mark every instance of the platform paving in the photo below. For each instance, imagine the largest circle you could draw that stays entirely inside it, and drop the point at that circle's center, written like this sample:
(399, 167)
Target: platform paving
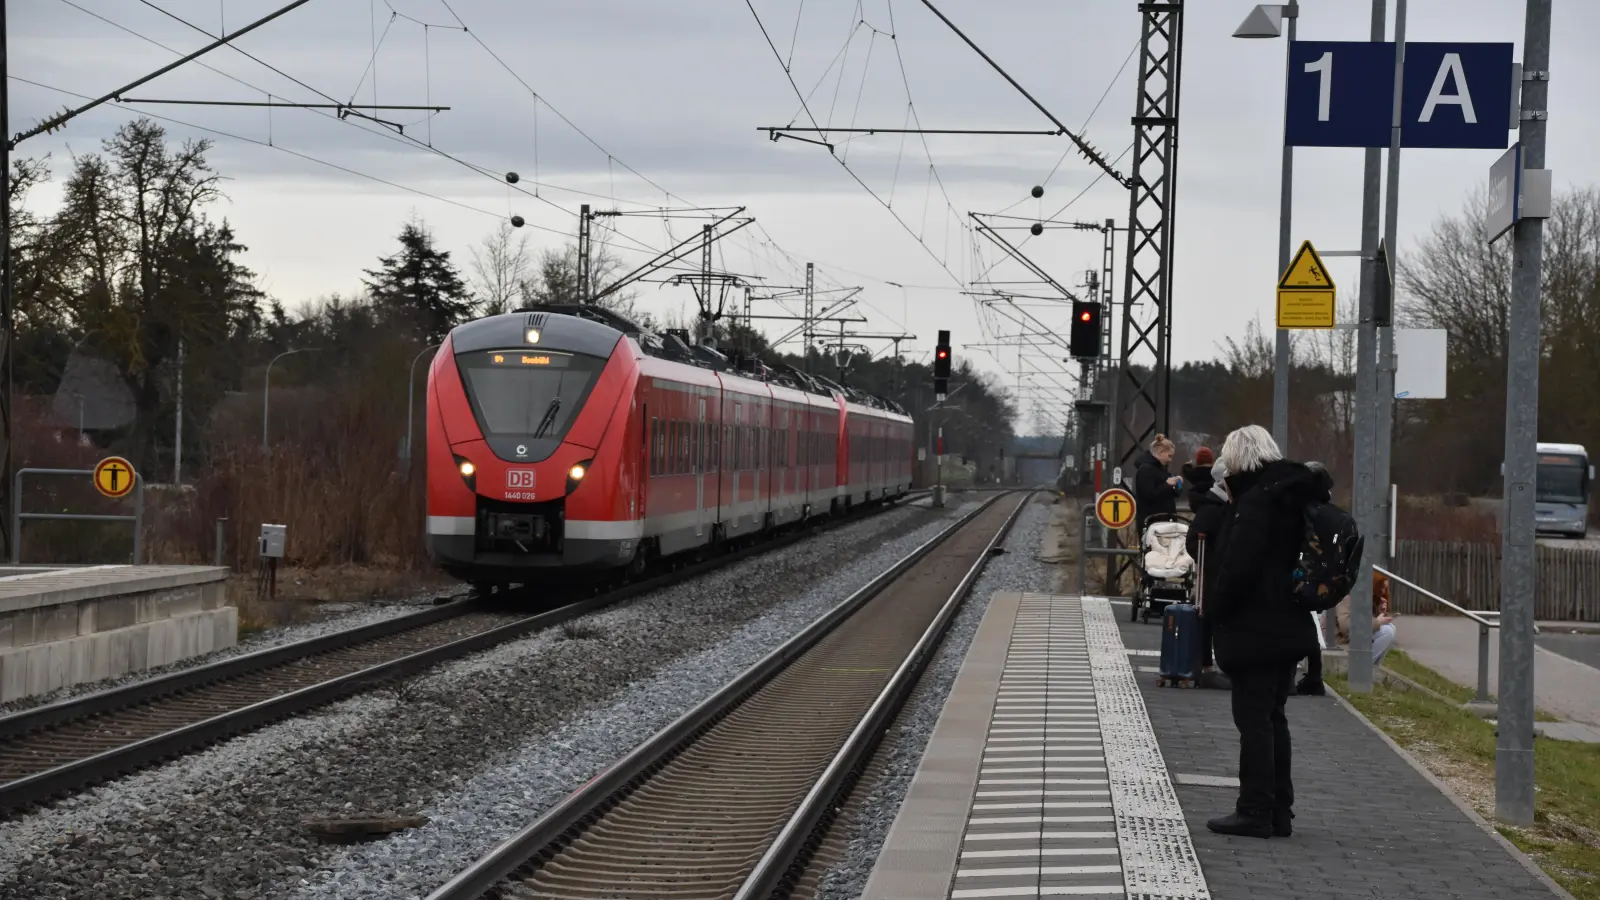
(1368, 824)
(1042, 777)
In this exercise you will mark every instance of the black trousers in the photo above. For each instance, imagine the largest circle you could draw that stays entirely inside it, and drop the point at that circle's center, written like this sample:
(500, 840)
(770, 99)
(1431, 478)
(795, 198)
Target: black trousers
(1314, 666)
(1259, 695)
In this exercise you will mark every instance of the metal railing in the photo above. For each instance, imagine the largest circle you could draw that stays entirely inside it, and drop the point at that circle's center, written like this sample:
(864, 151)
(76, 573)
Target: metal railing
(1486, 619)
(1090, 520)
(18, 516)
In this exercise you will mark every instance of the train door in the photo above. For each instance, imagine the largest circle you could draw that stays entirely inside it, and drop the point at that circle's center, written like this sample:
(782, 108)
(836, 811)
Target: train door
(698, 451)
(738, 460)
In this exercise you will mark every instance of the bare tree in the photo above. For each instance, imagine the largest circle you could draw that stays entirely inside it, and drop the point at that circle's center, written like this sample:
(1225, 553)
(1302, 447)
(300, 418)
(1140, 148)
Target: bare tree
(500, 267)
(555, 280)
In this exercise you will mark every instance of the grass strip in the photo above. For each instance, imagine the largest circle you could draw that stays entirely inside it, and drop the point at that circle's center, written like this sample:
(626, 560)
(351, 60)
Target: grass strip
(1459, 748)
(1398, 662)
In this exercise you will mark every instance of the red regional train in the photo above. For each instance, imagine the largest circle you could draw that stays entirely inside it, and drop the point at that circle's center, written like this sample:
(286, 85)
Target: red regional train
(567, 439)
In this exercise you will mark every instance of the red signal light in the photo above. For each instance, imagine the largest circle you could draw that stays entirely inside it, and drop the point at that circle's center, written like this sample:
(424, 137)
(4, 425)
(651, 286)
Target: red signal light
(1085, 316)
(943, 354)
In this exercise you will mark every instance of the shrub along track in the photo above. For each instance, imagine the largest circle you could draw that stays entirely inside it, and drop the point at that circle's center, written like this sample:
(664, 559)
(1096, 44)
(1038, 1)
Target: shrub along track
(730, 800)
(51, 751)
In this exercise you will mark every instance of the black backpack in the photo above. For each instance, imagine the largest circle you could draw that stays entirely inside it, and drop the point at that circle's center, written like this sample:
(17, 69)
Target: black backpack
(1329, 560)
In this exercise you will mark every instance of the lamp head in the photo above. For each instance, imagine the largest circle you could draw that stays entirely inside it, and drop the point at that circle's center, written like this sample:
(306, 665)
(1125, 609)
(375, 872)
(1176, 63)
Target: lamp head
(1265, 21)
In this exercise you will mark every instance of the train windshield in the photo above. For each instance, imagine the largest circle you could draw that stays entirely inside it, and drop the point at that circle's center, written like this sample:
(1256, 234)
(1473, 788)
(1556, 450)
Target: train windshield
(525, 394)
(1562, 478)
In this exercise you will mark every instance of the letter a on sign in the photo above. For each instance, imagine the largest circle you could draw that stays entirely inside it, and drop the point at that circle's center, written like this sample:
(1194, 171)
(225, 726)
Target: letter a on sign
(1449, 71)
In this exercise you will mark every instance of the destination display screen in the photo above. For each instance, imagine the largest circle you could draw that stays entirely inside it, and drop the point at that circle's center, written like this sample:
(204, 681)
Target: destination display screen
(524, 358)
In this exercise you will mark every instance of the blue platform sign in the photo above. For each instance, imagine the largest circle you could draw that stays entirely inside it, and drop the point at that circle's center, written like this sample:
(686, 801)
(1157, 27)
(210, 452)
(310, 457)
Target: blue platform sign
(1454, 95)
(1457, 95)
(1333, 91)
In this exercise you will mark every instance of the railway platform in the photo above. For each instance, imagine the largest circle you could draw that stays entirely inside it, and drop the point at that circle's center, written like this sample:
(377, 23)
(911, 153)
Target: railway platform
(60, 627)
(1059, 768)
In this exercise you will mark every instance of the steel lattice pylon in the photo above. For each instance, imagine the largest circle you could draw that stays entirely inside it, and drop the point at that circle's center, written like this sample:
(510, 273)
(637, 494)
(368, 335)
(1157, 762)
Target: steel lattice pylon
(1141, 395)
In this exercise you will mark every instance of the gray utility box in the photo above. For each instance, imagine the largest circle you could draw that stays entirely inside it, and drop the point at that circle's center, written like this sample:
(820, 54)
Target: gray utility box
(272, 538)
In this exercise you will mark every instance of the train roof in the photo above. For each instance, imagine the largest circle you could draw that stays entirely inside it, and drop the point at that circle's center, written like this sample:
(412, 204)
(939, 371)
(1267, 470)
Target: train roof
(674, 345)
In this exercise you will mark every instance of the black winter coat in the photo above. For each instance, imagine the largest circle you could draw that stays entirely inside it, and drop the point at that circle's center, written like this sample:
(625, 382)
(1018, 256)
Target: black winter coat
(1151, 491)
(1208, 510)
(1254, 622)
(1197, 483)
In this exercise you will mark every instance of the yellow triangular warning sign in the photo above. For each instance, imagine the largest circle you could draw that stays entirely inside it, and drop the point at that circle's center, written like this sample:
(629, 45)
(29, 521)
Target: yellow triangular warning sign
(1306, 271)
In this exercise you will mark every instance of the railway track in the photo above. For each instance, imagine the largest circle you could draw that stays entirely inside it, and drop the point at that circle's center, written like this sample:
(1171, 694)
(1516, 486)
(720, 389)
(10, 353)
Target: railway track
(54, 750)
(731, 800)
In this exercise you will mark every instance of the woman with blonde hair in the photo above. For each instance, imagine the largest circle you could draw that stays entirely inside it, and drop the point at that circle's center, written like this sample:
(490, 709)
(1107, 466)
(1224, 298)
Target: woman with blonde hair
(1155, 490)
(1258, 632)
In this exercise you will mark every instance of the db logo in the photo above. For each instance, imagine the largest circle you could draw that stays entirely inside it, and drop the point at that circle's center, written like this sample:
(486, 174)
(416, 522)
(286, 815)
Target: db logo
(519, 479)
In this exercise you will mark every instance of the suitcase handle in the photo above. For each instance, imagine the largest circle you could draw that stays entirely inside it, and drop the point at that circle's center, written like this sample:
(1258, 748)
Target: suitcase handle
(1200, 577)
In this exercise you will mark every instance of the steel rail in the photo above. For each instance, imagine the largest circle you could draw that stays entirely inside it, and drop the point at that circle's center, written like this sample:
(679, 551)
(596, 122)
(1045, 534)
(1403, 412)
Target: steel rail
(564, 821)
(41, 787)
(778, 870)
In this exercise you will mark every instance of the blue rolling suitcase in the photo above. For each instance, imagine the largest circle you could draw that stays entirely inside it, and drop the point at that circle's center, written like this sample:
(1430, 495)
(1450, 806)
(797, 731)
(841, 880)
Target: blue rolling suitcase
(1182, 639)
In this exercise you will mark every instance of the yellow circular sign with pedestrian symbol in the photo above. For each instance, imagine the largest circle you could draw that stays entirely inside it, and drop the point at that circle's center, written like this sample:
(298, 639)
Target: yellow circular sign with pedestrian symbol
(114, 477)
(1115, 508)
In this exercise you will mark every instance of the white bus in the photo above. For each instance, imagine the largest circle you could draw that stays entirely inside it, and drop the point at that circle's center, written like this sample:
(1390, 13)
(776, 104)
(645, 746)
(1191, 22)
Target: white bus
(1561, 490)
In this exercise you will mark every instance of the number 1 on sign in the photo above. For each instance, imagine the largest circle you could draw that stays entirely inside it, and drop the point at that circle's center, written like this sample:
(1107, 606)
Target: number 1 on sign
(1323, 67)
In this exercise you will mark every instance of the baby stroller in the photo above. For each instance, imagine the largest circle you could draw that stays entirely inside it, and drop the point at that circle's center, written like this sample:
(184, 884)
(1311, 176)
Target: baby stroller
(1166, 571)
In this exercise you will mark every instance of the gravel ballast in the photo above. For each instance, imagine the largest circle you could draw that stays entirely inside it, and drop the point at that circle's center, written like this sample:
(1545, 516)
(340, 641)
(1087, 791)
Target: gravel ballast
(480, 746)
(1018, 569)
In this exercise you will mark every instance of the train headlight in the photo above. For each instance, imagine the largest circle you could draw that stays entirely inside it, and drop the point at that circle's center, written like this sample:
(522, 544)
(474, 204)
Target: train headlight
(576, 473)
(532, 336)
(467, 469)
(469, 472)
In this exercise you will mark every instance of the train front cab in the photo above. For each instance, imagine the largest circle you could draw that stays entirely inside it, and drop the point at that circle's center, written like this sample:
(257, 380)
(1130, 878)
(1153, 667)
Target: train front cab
(529, 420)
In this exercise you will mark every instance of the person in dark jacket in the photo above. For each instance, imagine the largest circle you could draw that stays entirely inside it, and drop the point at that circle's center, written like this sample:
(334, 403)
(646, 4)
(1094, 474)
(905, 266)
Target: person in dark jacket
(1208, 501)
(1155, 490)
(1260, 636)
(1197, 478)
(1311, 685)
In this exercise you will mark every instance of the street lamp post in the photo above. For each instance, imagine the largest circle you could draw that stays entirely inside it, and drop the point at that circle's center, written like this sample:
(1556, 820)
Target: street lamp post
(411, 398)
(266, 391)
(1265, 22)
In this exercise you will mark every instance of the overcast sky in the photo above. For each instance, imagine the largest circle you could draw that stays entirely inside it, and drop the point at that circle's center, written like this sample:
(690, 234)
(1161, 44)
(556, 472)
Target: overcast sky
(668, 98)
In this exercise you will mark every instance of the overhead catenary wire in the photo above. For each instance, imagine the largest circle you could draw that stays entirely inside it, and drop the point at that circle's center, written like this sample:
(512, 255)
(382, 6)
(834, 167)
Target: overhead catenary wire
(295, 153)
(384, 134)
(271, 143)
(400, 138)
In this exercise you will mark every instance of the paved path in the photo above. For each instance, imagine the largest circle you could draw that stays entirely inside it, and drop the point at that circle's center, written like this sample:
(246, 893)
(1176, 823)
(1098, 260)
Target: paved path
(1449, 645)
(1369, 824)
(1583, 648)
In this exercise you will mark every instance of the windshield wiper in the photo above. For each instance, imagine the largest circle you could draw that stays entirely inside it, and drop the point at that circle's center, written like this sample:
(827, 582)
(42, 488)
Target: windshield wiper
(549, 417)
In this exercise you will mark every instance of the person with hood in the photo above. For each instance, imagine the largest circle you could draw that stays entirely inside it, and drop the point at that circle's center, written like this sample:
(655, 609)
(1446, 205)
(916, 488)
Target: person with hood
(1155, 491)
(1311, 685)
(1197, 477)
(1259, 634)
(1208, 502)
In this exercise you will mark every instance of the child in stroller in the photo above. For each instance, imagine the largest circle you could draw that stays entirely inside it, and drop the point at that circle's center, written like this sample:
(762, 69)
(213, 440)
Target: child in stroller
(1166, 571)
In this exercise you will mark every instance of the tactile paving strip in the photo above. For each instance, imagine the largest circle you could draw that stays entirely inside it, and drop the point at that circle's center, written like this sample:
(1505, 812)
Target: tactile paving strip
(1158, 857)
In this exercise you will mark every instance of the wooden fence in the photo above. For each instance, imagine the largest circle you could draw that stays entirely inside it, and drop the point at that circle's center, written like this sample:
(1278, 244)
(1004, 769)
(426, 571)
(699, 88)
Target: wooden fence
(1566, 581)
